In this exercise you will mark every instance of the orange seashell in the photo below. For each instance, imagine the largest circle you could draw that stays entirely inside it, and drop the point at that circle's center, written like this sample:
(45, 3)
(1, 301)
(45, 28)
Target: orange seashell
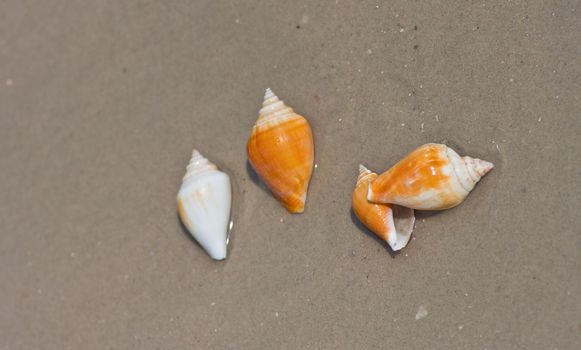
(392, 223)
(432, 177)
(281, 151)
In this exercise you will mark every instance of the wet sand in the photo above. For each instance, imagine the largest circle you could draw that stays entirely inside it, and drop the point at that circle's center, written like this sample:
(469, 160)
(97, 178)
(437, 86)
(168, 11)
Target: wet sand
(101, 104)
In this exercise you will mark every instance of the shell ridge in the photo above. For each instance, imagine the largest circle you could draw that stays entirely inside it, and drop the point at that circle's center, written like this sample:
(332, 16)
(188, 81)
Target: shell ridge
(460, 176)
(198, 164)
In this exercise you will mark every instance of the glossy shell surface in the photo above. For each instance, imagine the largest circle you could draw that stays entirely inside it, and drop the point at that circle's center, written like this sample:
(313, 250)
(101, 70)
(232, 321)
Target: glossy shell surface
(281, 151)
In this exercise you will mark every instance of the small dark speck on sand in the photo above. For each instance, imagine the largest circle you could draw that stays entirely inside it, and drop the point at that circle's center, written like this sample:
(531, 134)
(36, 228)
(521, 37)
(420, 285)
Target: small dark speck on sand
(298, 27)
(416, 47)
(124, 70)
(415, 27)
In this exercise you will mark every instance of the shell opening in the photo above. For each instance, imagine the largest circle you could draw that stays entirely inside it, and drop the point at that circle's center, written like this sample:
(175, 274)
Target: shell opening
(403, 221)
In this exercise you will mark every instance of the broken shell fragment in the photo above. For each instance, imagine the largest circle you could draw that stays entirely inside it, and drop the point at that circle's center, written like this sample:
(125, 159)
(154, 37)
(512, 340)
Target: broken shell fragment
(432, 177)
(392, 223)
(281, 151)
(204, 201)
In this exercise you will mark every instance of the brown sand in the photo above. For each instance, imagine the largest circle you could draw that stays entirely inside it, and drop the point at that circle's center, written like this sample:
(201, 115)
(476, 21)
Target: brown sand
(101, 103)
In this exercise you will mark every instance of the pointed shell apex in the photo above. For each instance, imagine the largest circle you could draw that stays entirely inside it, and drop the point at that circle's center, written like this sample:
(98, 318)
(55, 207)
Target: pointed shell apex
(270, 98)
(273, 110)
(198, 163)
(482, 167)
(268, 94)
(364, 174)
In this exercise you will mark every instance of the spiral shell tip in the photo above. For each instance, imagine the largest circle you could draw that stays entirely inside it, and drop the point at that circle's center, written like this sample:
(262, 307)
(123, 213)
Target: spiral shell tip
(268, 94)
(482, 167)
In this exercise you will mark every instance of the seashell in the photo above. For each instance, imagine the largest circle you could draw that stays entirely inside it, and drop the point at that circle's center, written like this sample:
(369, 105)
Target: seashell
(392, 223)
(432, 177)
(281, 151)
(204, 202)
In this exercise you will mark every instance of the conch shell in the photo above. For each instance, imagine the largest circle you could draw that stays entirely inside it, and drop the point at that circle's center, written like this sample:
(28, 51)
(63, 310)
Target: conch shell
(281, 151)
(392, 223)
(204, 202)
(432, 177)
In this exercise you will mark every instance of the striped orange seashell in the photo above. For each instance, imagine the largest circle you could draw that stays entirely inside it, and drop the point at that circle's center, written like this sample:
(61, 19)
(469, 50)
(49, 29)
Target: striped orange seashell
(281, 151)
(392, 223)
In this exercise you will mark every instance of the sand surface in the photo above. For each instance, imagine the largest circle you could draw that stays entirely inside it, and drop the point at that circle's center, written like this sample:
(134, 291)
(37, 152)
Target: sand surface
(101, 103)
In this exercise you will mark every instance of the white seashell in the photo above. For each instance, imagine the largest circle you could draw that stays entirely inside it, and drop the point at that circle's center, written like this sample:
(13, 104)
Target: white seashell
(204, 202)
